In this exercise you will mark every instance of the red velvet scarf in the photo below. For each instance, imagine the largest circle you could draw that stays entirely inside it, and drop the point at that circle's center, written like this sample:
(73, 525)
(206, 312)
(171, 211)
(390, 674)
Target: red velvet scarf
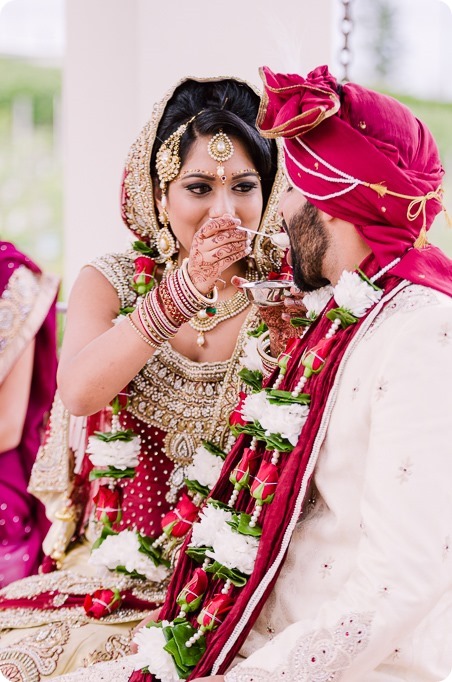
(295, 474)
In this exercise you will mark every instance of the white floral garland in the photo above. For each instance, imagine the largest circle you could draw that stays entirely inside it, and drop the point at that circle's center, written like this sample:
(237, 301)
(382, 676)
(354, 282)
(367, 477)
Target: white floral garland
(119, 454)
(251, 358)
(152, 655)
(205, 467)
(229, 548)
(286, 420)
(123, 550)
(315, 301)
(354, 294)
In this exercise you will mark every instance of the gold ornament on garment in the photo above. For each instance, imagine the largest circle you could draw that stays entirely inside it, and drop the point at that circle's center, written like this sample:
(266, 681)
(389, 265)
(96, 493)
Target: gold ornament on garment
(220, 149)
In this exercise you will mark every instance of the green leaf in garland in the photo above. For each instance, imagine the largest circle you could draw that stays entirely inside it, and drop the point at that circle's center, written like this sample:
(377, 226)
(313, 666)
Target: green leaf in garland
(214, 449)
(236, 577)
(261, 329)
(196, 487)
(154, 553)
(144, 249)
(127, 310)
(106, 531)
(251, 429)
(300, 322)
(274, 441)
(365, 278)
(185, 658)
(278, 397)
(220, 505)
(241, 523)
(252, 377)
(111, 436)
(112, 472)
(198, 554)
(345, 316)
(132, 574)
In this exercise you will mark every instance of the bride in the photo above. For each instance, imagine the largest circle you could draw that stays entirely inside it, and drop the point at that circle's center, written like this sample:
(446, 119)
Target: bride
(148, 372)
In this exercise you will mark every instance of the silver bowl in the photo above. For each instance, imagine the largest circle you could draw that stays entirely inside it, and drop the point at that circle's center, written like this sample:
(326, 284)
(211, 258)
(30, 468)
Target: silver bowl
(267, 293)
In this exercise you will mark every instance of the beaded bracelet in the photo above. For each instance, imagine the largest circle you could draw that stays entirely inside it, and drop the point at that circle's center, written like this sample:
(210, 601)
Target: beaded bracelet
(150, 328)
(142, 336)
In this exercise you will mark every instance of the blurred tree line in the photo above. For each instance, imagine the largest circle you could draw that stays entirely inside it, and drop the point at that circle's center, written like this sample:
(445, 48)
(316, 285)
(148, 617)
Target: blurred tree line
(30, 160)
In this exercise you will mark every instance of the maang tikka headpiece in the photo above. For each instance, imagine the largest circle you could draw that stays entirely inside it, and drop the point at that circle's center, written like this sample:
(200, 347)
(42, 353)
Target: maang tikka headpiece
(168, 163)
(220, 149)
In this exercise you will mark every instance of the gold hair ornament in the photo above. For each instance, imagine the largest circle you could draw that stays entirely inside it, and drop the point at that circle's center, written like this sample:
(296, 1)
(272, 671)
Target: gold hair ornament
(168, 163)
(220, 149)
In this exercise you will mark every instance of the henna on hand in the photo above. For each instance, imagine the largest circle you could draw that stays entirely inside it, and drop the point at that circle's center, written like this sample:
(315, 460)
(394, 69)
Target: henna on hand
(215, 247)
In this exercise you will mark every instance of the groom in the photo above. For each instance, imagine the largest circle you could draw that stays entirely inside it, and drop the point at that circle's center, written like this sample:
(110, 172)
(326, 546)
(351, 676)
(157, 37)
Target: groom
(361, 538)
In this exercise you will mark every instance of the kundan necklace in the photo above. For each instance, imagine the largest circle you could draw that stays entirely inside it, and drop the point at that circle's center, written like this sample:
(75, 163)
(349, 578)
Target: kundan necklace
(208, 318)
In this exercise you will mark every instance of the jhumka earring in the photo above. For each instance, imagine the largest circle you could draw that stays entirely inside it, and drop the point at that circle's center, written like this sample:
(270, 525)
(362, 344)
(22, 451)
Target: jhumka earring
(220, 149)
(168, 163)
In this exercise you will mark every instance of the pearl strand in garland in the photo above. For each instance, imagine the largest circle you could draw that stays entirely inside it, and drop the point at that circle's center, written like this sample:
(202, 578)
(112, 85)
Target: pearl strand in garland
(335, 326)
(384, 270)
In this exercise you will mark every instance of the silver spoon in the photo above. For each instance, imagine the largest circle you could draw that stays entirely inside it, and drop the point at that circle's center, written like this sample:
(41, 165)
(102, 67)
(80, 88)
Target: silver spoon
(280, 239)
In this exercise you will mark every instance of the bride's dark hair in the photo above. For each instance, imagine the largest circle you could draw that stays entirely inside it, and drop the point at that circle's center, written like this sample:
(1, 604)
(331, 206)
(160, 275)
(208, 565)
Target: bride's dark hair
(228, 105)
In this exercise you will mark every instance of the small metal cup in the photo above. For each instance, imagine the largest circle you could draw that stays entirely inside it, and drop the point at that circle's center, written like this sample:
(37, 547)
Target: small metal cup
(268, 293)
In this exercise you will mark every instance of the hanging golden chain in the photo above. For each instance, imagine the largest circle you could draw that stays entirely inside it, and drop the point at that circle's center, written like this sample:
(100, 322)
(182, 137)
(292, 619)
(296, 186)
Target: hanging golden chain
(345, 53)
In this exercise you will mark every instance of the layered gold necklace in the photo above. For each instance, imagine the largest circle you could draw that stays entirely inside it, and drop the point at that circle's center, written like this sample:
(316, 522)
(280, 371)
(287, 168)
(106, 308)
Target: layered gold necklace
(208, 318)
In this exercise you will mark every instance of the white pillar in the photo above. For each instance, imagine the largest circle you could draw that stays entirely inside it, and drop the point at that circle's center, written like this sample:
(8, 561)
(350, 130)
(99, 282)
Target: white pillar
(122, 55)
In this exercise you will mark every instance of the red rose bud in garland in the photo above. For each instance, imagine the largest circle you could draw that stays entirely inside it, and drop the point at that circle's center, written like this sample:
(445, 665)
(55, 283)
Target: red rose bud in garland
(179, 521)
(235, 417)
(264, 485)
(108, 505)
(214, 612)
(315, 358)
(143, 278)
(240, 476)
(101, 603)
(285, 356)
(191, 595)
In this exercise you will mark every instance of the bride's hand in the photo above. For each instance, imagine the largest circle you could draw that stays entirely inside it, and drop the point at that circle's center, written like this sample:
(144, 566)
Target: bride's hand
(216, 246)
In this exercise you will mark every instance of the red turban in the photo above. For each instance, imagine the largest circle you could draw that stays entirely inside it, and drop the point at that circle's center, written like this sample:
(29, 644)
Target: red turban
(365, 158)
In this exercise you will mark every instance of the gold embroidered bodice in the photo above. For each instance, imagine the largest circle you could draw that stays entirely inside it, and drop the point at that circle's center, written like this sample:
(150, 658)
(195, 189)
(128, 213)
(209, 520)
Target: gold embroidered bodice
(188, 400)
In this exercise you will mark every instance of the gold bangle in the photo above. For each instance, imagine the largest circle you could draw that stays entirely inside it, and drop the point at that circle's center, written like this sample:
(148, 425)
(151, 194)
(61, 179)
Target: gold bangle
(140, 334)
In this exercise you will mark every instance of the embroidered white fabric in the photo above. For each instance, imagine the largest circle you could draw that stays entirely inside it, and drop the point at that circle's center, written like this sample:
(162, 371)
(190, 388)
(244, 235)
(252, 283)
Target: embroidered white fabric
(112, 671)
(320, 656)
